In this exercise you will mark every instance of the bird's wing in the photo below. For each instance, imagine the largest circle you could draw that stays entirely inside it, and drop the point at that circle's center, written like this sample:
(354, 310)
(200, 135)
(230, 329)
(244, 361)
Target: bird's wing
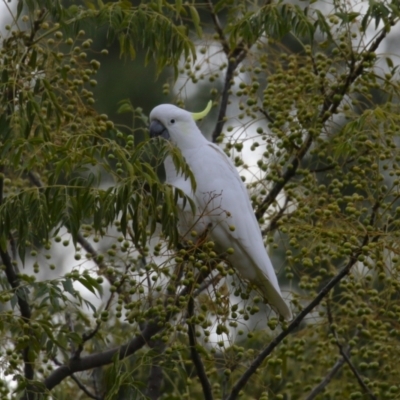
(235, 225)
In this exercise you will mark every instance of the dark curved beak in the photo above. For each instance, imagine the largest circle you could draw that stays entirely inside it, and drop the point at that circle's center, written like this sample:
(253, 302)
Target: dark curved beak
(158, 129)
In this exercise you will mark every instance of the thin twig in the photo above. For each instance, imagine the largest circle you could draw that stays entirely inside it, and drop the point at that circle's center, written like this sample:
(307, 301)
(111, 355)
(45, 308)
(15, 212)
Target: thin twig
(84, 389)
(285, 178)
(325, 382)
(95, 377)
(266, 115)
(206, 283)
(95, 256)
(218, 28)
(198, 363)
(89, 335)
(153, 390)
(237, 57)
(332, 166)
(274, 221)
(79, 383)
(346, 357)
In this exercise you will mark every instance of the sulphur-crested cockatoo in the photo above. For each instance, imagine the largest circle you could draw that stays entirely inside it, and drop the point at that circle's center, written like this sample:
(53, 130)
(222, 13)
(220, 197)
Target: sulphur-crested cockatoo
(222, 204)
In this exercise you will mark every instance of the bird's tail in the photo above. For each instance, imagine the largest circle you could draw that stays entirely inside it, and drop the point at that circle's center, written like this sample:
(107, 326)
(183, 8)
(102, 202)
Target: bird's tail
(273, 296)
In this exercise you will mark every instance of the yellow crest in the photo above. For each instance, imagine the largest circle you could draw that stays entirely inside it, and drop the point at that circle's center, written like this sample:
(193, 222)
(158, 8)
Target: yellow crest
(202, 114)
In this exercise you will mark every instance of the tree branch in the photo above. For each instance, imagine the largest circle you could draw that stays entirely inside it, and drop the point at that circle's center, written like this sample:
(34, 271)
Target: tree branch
(325, 382)
(84, 389)
(296, 322)
(218, 28)
(289, 174)
(89, 335)
(233, 61)
(235, 57)
(330, 106)
(103, 358)
(274, 221)
(293, 325)
(346, 356)
(338, 365)
(22, 296)
(198, 364)
(107, 357)
(79, 384)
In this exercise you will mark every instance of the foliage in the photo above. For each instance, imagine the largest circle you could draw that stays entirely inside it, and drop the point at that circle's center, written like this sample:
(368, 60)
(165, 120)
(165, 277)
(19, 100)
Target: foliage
(99, 296)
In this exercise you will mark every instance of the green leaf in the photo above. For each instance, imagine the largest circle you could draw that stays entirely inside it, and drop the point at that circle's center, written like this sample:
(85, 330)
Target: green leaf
(68, 286)
(178, 7)
(20, 7)
(125, 106)
(90, 283)
(389, 62)
(347, 17)
(196, 20)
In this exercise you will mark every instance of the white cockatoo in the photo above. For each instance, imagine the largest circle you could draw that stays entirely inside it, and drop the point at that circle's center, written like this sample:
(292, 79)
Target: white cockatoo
(222, 204)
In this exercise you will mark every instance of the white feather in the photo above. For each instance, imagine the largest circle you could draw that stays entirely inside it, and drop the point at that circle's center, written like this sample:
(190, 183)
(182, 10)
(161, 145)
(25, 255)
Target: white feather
(222, 202)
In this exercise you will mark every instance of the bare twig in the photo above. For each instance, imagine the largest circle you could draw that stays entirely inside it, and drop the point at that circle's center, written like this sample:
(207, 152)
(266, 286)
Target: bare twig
(266, 115)
(330, 375)
(87, 336)
(235, 57)
(218, 28)
(346, 356)
(332, 166)
(206, 283)
(285, 178)
(234, 60)
(84, 389)
(153, 390)
(95, 256)
(274, 221)
(325, 382)
(79, 383)
(96, 376)
(198, 363)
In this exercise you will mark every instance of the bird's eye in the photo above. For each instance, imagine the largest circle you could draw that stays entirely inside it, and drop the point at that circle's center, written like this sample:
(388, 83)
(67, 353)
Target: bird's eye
(172, 121)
